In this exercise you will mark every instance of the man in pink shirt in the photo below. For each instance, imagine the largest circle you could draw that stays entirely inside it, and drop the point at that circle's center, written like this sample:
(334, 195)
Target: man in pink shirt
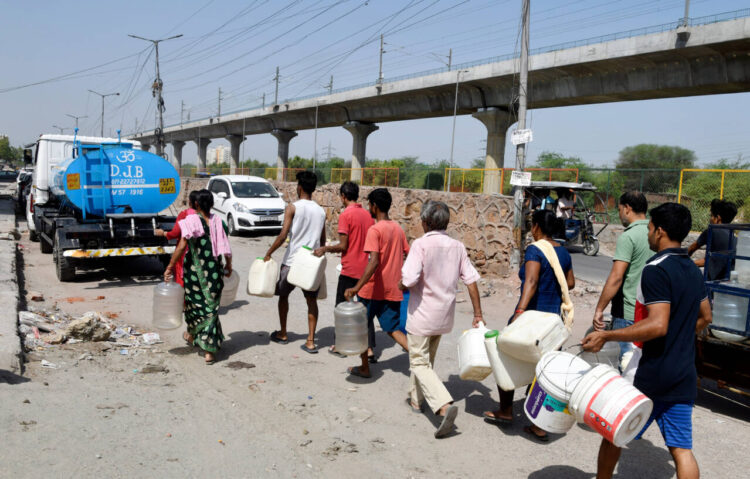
(434, 265)
(354, 222)
(378, 287)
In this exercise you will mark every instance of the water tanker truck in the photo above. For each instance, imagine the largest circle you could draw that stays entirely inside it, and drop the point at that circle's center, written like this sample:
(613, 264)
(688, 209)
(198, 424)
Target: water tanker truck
(103, 200)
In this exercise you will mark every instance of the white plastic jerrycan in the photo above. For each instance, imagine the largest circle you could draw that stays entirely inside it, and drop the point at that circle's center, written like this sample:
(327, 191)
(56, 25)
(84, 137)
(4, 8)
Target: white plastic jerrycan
(262, 278)
(533, 334)
(473, 363)
(510, 373)
(307, 270)
(229, 293)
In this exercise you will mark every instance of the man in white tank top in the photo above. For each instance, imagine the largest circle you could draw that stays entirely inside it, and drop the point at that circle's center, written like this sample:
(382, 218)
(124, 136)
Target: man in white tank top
(305, 220)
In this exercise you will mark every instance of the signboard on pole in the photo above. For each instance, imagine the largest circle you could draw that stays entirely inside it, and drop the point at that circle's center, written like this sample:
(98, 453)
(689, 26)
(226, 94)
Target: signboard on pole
(520, 178)
(519, 137)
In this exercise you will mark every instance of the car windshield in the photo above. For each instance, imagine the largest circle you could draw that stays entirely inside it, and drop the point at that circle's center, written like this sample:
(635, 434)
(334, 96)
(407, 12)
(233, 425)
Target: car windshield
(254, 189)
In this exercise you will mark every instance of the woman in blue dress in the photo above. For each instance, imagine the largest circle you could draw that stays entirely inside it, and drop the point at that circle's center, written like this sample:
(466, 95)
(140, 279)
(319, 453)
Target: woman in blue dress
(540, 291)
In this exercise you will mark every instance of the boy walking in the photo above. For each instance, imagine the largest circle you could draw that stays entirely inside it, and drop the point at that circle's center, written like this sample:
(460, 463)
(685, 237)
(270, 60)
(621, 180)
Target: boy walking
(672, 306)
(305, 221)
(354, 222)
(722, 212)
(434, 265)
(378, 287)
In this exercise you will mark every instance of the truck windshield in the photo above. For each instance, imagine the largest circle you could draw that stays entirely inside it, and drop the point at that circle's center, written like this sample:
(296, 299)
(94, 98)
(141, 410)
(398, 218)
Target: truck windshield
(251, 189)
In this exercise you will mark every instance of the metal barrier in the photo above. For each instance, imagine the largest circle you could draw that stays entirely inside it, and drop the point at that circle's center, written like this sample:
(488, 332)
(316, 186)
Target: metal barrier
(472, 180)
(699, 187)
(375, 176)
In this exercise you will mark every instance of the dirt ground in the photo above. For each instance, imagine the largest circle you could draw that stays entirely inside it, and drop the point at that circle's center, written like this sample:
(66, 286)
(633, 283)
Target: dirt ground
(270, 410)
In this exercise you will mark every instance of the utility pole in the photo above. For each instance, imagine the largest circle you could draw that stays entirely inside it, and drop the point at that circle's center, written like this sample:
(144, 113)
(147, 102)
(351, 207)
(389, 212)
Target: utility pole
(315, 142)
(103, 97)
(264, 101)
(686, 18)
(453, 134)
(329, 149)
(182, 111)
(518, 220)
(75, 117)
(218, 112)
(450, 58)
(330, 86)
(135, 127)
(156, 90)
(382, 51)
(276, 94)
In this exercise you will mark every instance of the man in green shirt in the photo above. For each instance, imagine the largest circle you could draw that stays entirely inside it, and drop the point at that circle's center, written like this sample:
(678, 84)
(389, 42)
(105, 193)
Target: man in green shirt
(631, 253)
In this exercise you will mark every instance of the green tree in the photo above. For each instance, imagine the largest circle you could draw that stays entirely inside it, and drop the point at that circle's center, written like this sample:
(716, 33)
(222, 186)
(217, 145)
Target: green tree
(654, 157)
(8, 152)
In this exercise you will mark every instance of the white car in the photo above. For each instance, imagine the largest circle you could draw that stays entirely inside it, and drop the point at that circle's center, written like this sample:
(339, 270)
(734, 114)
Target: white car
(247, 203)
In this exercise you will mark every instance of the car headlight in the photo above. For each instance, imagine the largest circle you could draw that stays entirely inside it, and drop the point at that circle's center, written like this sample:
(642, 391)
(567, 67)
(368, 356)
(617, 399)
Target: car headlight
(241, 208)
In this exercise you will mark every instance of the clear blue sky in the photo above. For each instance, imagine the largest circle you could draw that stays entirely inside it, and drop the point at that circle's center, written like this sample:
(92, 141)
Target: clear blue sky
(236, 46)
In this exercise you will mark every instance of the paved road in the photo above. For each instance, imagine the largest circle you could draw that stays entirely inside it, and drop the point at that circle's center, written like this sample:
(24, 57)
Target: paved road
(594, 269)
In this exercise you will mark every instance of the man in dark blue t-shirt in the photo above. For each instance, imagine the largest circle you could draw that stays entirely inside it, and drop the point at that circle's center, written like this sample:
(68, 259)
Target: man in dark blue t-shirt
(672, 306)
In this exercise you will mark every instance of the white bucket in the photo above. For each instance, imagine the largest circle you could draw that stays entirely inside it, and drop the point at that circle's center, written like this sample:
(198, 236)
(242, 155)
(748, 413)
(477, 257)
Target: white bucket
(533, 334)
(510, 373)
(473, 363)
(610, 405)
(557, 375)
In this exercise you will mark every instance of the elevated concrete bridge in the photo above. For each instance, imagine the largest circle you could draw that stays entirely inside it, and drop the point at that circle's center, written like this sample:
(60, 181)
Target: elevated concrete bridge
(704, 59)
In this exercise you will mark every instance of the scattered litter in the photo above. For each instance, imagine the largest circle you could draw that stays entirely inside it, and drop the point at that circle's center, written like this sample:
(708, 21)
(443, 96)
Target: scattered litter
(169, 435)
(49, 365)
(305, 443)
(354, 390)
(124, 352)
(222, 442)
(359, 414)
(74, 341)
(36, 296)
(99, 298)
(309, 397)
(305, 432)
(151, 338)
(260, 381)
(154, 368)
(75, 299)
(98, 456)
(85, 356)
(26, 401)
(254, 388)
(339, 446)
(240, 365)
(89, 327)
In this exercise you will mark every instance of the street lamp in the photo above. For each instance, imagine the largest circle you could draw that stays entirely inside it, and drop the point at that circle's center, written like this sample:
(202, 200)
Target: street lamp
(103, 95)
(76, 118)
(453, 134)
(62, 130)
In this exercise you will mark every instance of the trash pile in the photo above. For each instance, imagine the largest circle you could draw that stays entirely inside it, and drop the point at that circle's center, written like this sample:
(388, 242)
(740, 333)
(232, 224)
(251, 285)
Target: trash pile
(41, 329)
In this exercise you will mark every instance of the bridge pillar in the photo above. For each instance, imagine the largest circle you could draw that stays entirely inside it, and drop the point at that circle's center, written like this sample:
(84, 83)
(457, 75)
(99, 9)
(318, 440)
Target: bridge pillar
(234, 158)
(202, 147)
(282, 156)
(177, 153)
(497, 122)
(360, 131)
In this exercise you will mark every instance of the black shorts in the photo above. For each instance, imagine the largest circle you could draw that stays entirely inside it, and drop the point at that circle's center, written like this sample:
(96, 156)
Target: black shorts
(345, 282)
(284, 287)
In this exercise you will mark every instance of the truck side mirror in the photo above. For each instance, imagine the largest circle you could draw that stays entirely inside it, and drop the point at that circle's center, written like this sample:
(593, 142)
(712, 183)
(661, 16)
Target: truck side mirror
(222, 195)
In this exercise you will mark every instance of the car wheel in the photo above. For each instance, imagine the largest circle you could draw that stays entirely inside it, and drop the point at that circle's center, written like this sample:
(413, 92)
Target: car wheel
(230, 226)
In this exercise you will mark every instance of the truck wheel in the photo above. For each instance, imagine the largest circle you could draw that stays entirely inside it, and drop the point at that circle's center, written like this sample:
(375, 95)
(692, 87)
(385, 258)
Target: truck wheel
(33, 236)
(44, 246)
(65, 269)
(591, 246)
(230, 226)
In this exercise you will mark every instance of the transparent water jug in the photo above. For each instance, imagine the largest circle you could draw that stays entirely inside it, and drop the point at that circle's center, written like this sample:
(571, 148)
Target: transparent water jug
(730, 311)
(262, 278)
(350, 319)
(169, 299)
(306, 271)
(742, 266)
(229, 293)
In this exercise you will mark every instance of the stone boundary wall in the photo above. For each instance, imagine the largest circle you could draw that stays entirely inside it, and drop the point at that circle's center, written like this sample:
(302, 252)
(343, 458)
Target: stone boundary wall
(484, 223)
(11, 354)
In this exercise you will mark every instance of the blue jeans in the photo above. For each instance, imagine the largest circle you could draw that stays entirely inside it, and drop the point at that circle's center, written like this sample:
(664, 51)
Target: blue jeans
(619, 323)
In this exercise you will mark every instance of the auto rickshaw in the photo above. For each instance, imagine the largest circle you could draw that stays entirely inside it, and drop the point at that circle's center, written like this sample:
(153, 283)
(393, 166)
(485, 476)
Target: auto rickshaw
(579, 230)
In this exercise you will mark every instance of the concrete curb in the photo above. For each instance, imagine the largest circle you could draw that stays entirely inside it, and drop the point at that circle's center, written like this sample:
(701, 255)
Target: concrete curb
(11, 353)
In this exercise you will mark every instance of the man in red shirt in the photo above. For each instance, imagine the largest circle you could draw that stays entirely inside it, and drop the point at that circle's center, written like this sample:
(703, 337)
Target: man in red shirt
(378, 287)
(354, 222)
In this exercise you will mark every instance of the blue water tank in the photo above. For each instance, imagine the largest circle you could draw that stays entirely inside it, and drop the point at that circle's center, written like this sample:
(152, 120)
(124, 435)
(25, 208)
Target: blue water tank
(116, 178)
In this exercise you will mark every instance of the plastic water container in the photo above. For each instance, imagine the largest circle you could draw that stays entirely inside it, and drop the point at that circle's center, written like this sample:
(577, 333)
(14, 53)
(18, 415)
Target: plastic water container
(229, 293)
(169, 301)
(557, 375)
(610, 405)
(742, 266)
(533, 334)
(307, 270)
(609, 354)
(262, 278)
(473, 363)
(730, 311)
(509, 373)
(350, 320)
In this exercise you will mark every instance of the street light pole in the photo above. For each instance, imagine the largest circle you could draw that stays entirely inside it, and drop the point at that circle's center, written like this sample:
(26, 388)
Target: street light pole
(315, 142)
(453, 133)
(62, 130)
(76, 117)
(103, 95)
(156, 90)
